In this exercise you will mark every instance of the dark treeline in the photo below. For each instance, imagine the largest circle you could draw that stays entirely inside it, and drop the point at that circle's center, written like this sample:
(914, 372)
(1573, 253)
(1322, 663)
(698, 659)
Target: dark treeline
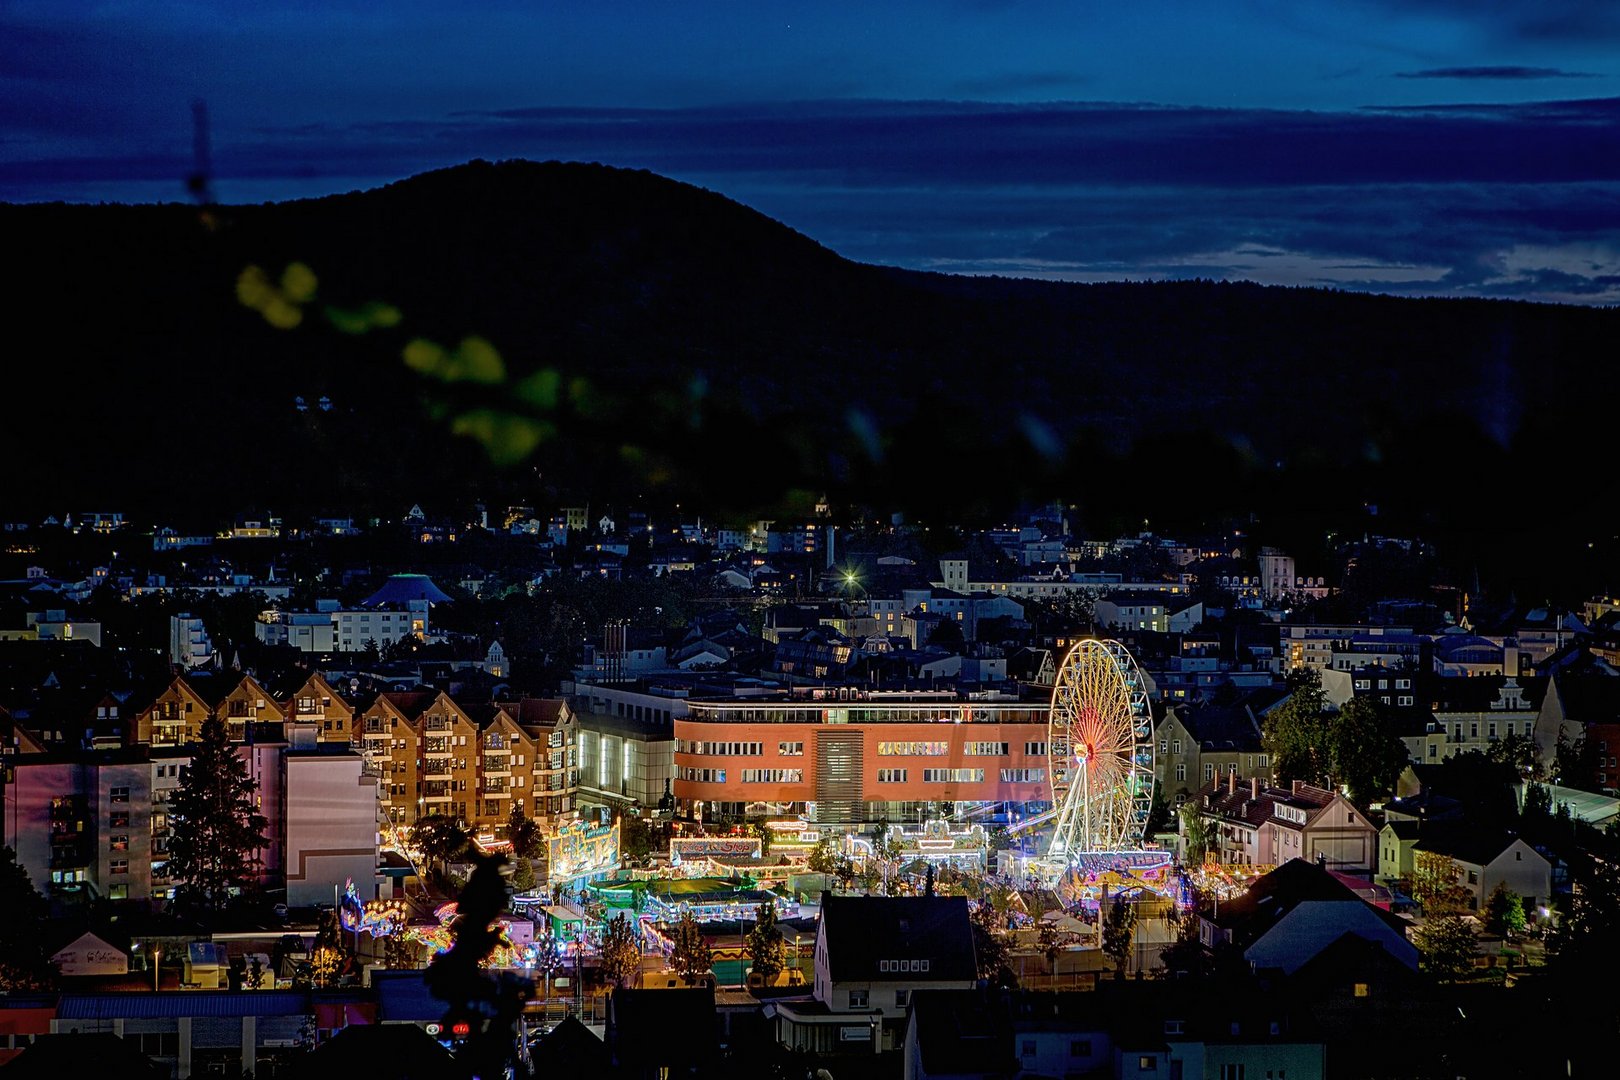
(692, 349)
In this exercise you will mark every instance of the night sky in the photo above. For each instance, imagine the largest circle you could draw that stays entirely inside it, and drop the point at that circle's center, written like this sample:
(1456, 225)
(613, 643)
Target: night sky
(1441, 147)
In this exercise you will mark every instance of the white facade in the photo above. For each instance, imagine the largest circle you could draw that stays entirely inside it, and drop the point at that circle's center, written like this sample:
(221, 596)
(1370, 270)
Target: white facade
(189, 644)
(331, 827)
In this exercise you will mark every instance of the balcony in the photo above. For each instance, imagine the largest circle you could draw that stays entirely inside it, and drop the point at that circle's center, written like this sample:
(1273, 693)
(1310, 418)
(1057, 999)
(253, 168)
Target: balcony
(436, 773)
(495, 787)
(376, 725)
(436, 747)
(436, 723)
(497, 765)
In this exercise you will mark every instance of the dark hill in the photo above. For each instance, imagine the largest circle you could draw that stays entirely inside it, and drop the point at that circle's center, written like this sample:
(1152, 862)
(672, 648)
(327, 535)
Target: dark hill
(733, 361)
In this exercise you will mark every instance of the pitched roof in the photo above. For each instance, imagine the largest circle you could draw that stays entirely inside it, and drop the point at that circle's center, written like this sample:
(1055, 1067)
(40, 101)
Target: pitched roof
(1218, 728)
(863, 931)
(1271, 897)
(1464, 842)
(1591, 698)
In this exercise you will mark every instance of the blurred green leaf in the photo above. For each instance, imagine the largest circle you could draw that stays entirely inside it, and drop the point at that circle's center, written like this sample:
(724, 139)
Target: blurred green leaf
(507, 438)
(298, 283)
(424, 356)
(539, 389)
(476, 360)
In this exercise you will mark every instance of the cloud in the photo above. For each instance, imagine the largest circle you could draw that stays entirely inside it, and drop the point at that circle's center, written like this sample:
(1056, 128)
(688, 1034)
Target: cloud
(1020, 82)
(1508, 71)
(1572, 21)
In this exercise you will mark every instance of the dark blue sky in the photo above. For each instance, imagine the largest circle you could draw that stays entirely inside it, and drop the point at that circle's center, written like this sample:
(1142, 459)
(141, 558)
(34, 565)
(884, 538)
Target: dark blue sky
(1453, 147)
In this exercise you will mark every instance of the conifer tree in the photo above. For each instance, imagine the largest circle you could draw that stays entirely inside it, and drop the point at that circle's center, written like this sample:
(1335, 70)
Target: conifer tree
(217, 829)
(766, 946)
(692, 957)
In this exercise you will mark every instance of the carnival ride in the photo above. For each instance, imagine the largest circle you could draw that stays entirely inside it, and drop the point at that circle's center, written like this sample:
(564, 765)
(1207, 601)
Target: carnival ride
(1099, 755)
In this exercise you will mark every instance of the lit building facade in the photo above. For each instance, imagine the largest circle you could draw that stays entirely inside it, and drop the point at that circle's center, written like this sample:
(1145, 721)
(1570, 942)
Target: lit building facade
(849, 762)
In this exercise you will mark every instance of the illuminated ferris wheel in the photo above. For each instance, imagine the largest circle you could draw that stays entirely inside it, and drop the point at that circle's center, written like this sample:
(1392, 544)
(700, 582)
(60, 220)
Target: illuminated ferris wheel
(1099, 752)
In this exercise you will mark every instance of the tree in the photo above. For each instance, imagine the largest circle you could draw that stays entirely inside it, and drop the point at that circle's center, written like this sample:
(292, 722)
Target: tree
(1575, 762)
(1295, 732)
(989, 947)
(1118, 933)
(1366, 754)
(766, 946)
(635, 836)
(327, 957)
(548, 958)
(823, 856)
(621, 955)
(439, 838)
(524, 834)
(1050, 943)
(1194, 833)
(1159, 813)
(216, 831)
(1435, 883)
(692, 957)
(1446, 946)
(1504, 911)
(758, 828)
(1519, 752)
(522, 878)
(25, 964)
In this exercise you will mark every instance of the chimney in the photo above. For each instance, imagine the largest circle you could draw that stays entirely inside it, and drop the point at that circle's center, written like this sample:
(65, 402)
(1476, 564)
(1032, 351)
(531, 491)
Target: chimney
(1510, 661)
(1254, 788)
(1231, 783)
(1295, 785)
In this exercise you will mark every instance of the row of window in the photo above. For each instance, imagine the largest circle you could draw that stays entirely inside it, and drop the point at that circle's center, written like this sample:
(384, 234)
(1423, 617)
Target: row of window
(953, 776)
(723, 749)
(913, 749)
(702, 776)
(773, 776)
(985, 749)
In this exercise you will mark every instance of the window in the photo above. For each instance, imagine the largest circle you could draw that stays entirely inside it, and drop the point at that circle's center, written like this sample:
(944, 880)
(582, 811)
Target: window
(953, 776)
(1362, 990)
(1147, 1063)
(902, 998)
(1232, 1071)
(1035, 749)
(118, 795)
(773, 776)
(891, 776)
(985, 749)
(1026, 1048)
(1175, 746)
(857, 999)
(1023, 776)
(1403, 684)
(702, 776)
(1209, 771)
(1080, 1048)
(1181, 770)
(912, 749)
(118, 843)
(1473, 877)
(1174, 1027)
(790, 749)
(118, 819)
(119, 866)
(1404, 699)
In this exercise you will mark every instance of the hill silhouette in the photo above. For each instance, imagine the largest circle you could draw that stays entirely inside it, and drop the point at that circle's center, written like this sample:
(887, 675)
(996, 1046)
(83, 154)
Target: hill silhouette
(705, 352)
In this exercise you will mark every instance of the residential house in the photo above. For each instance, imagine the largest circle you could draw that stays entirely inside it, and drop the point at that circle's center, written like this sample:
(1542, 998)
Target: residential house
(1260, 825)
(1198, 745)
(872, 953)
(1485, 859)
(1290, 916)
